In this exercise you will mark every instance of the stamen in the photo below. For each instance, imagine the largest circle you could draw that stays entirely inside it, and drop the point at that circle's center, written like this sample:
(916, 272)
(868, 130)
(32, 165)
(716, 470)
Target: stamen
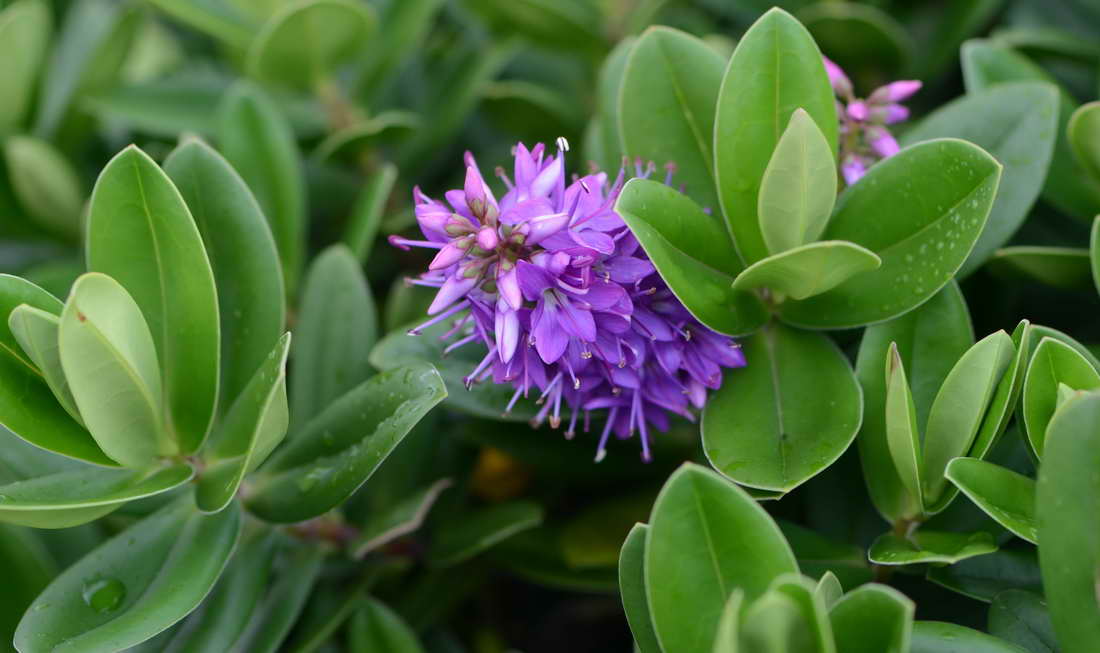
(406, 243)
(455, 345)
(601, 448)
(469, 380)
(415, 331)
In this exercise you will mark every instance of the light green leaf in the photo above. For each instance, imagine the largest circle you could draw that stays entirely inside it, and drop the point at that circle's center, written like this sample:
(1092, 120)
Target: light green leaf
(24, 40)
(775, 70)
(71, 498)
(45, 184)
(776, 623)
(693, 255)
(938, 194)
(340, 448)
(829, 589)
(1083, 133)
(366, 217)
(1060, 267)
(37, 333)
(277, 613)
(769, 426)
(942, 637)
(1007, 394)
(1021, 617)
(902, 435)
(109, 358)
(727, 639)
(1053, 362)
(251, 429)
(666, 107)
(135, 585)
(707, 538)
(375, 627)
(141, 234)
(466, 535)
(218, 18)
(798, 189)
(926, 546)
(251, 299)
(872, 618)
(808, 270)
(983, 577)
(818, 632)
(633, 592)
(399, 520)
(1068, 508)
(1004, 495)
(1094, 252)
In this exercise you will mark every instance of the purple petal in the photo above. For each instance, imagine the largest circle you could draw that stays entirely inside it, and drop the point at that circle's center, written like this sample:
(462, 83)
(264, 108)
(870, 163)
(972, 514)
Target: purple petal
(628, 269)
(882, 142)
(545, 226)
(895, 91)
(453, 289)
(474, 190)
(450, 254)
(526, 210)
(533, 280)
(603, 295)
(596, 240)
(507, 332)
(549, 178)
(852, 169)
(840, 82)
(576, 320)
(857, 110)
(508, 285)
(550, 338)
(487, 238)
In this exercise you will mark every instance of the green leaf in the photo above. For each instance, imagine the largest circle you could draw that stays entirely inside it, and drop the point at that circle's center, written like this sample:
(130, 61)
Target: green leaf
(466, 535)
(1060, 267)
(706, 538)
(1053, 362)
(1068, 508)
(338, 450)
(1007, 394)
(277, 613)
(366, 217)
(941, 637)
(45, 184)
(938, 194)
(1018, 125)
(775, 70)
(337, 327)
(903, 438)
(798, 189)
(777, 623)
(407, 25)
(29, 568)
(251, 299)
(304, 43)
(633, 592)
(1094, 252)
(819, 556)
(375, 627)
(135, 585)
(252, 428)
(1004, 495)
(1039, 332)
(71, 498)
(398, 520)
(37, 333)
(536, 555)
(218, 18)
(1083, 133)
(829, 589)
(983, 577)
(141, 234)
(958, 409)
(383, 129)
(769, 426)
(872, 618)
(692, 253)
(808, 270)
(609, 84)
(109, 358)
(926, 546)
(258, 141)
(1068, 187)
(666, 107)
(24, 40)
(1022, 618)
(727, 639)
(865, 40)
(818, 632)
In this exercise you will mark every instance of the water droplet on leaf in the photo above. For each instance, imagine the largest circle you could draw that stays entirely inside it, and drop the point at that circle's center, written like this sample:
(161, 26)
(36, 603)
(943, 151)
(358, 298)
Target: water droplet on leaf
(103, 594)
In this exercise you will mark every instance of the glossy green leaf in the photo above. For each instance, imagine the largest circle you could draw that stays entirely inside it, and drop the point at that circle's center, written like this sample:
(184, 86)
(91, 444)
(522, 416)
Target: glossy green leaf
(399, 520)
(1068, 186)
(609, 84)
(135, 585)
(957, 411)
(776, 623)
(1040, 331)
(250, 431)
(14, 292)
(304, 43)
(37, 333)
(829, 589)
(706, 539)
(109, 358)
(336, 329)
(258, 141)
(798, 189)
(71, 498)
(775, 70)
(632, 589)
(666, 107)
(926, 546)
(375, 627)
(1017, 123)
(985, 576)
(1052, 363)
(769, 426)
(1083, 133)
(467, 535)
(903, 438)
(338, 450)
(819, 632)
(1007, 394)
(141, 234)
(277, 613)
(45, 184)
(872, 618)
(223, 20)
(807, 270)
(1094, 252)
(942, 637)
(1004, 495)
(251, 304)
(693, 254)
(24, 40)
(362, 228)
(1068, 508)
(1059, 267)
(727, 639)
(1022, 618)
(938, 194)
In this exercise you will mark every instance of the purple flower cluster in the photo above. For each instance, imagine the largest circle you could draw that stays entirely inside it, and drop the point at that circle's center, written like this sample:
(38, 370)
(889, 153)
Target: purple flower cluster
(864, 138)
(553, 282)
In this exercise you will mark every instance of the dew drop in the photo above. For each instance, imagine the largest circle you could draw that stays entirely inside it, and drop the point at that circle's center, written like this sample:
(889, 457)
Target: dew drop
(103, 594)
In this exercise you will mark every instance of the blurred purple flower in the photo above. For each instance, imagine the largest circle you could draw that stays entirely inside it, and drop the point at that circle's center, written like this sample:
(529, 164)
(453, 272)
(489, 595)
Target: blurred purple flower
(864, 138)
(572, 311)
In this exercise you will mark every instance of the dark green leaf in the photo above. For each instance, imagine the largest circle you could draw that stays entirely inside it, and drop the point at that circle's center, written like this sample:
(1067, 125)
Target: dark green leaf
(1022, 618)
(369, 208)
(398, 520)
(467, 535)
(941, 637)
(983, 577)
(1060, 267)
(633, 592)
(872, 618)
(929, 546)
(608, 88)
(375, 628)
(278, 611)
(223, 20)
(1004, 495)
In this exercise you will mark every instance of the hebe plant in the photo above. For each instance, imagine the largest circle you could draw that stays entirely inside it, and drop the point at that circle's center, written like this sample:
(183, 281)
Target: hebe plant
(214, 440)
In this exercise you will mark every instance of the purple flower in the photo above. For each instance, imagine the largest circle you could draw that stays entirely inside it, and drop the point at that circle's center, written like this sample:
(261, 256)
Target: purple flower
(864, 137)
(553, 283)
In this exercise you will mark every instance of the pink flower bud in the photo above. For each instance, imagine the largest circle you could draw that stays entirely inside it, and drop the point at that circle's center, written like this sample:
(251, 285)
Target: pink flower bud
(895, 91)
